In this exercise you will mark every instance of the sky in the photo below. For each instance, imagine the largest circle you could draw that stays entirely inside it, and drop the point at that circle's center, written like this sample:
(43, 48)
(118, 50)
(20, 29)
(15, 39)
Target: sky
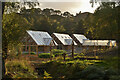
(72, 7)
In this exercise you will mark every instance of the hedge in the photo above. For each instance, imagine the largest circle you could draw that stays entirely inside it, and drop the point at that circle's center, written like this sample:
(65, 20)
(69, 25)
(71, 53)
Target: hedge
(33, 53)
(44, 55)
(57, 52)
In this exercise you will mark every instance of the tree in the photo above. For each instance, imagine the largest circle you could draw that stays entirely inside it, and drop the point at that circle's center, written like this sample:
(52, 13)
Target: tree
(47, 12)
(106, 18)
(12, 7)
(13, 30)
(60, 29)
(79, 28)
(67, 14)
(57, 12)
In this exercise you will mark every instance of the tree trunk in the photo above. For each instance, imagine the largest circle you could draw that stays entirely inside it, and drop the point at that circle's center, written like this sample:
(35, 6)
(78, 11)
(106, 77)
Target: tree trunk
(4, 56)
(4, 48)
(3, 7)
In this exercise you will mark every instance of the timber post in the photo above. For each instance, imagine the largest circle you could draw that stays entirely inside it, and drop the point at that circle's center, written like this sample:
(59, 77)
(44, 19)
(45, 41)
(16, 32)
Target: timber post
(72, 49)
(50, 51)
(64, 55)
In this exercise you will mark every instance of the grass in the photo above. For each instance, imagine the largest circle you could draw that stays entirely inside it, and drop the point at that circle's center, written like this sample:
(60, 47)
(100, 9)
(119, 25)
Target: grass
(20, 68)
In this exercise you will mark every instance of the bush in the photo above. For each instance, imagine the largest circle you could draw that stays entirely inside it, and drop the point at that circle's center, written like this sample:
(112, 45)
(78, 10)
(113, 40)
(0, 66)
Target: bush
(57, 52)
(32, 53)
(65, 70)
(115, 77)
(93, 73)
(110, 72)
(45, 55)
(20, 68)
(81, 54)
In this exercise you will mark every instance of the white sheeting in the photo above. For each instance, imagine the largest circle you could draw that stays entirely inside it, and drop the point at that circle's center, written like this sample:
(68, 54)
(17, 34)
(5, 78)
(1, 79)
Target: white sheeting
(65, 39)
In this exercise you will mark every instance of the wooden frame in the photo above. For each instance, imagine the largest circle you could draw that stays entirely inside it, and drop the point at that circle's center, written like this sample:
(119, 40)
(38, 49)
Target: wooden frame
(29, 44)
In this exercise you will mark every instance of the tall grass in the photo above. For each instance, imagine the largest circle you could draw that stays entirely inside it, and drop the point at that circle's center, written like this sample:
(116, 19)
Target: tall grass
(20, 69)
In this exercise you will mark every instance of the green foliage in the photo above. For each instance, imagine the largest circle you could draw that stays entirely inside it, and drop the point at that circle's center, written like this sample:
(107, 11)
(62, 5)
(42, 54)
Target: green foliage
(110, 62)
(115, 77)
(45, 55)
(20, 68)
(24, 75)
(32, 53)
(57, 52)
(60, 29)
(103, 24)
(47, 75)
(66, 70)
(14, 28)
(13, 24)
(81, 54)
(93, 72)
(79, 69)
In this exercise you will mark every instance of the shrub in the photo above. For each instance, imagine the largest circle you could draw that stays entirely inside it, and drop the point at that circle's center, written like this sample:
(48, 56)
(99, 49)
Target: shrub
(45, 55)
(110, 72)
(81, 54)
(11, 56)
(32, 53)
(47, 75)
(93, 73)
(20, 68)
(76, 53)
(65, 70)
(115, 77)
(57, 52)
